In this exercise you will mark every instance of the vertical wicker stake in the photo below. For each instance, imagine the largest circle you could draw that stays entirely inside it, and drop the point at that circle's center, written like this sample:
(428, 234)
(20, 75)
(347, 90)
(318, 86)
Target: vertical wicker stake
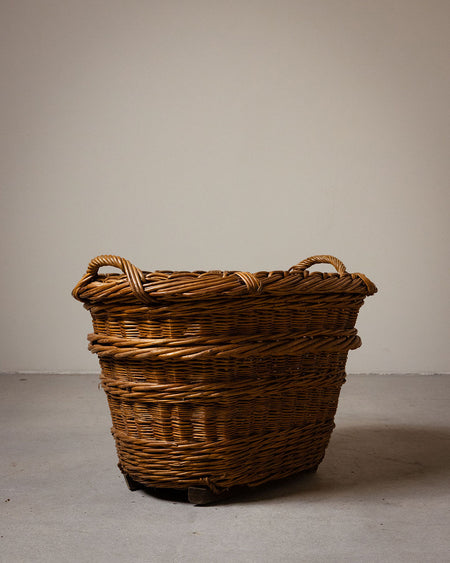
(221, 379)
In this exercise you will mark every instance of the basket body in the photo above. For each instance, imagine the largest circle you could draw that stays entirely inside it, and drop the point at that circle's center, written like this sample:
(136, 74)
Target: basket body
(222, 388)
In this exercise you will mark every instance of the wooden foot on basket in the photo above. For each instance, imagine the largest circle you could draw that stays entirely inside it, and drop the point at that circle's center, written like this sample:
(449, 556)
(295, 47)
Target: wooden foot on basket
(202, 495)
(131, 483)
(312, 469)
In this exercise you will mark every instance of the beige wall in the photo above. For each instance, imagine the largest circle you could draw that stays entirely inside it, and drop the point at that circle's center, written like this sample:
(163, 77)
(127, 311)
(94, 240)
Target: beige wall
(238, 134)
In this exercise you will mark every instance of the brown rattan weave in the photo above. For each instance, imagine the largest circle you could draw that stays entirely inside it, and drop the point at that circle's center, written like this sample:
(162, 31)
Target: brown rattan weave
(221, 378)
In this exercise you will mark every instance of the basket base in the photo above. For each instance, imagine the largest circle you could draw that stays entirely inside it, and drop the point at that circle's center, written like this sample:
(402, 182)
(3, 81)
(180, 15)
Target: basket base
(197, 495)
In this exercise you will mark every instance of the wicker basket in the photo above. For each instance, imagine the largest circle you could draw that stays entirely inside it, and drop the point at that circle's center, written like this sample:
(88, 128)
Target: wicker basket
(221, 378)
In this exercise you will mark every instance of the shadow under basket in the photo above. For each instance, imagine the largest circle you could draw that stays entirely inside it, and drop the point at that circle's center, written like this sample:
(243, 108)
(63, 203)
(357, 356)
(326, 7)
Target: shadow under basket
(221, 379)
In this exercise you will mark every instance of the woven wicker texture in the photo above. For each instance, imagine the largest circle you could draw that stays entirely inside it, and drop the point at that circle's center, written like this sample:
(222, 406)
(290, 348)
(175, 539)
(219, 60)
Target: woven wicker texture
(221, 378)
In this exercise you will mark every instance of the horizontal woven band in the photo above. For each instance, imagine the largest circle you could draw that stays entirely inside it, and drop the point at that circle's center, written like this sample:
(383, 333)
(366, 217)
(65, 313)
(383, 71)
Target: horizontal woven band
(254, 345)
(223, 305)
(245, 389)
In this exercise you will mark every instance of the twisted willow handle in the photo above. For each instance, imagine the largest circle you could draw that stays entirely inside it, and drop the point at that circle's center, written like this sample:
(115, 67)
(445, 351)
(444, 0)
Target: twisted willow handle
(134, 275)
(340, 268)
(320, 259)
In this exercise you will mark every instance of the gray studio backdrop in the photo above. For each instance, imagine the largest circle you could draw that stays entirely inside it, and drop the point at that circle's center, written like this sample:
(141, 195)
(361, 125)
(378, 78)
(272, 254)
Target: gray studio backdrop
(225, 135)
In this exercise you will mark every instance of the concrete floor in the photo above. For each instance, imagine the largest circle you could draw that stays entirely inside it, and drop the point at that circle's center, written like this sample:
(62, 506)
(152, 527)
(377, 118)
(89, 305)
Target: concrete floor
(380, 495)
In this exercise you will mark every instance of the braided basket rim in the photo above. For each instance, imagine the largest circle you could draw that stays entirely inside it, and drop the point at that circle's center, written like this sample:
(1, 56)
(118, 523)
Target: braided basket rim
(211, 284)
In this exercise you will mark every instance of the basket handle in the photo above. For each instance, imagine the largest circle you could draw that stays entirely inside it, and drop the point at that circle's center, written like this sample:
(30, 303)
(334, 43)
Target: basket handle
(319, 259)
(134, 275)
